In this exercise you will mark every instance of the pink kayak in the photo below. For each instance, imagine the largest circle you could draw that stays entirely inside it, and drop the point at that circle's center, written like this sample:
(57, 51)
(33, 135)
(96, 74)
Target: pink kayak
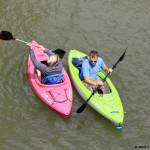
(56, 96)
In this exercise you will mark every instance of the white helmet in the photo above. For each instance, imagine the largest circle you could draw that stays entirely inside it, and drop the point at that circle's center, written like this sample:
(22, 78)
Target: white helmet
(53, 59)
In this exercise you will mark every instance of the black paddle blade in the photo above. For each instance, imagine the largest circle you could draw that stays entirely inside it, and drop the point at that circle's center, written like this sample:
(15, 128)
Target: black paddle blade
(80, 109)
(5, 35)
(121, 58)
(59, 52)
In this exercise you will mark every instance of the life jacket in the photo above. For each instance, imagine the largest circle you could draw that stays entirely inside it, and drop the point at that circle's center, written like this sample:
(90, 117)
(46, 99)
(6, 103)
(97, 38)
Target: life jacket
(54, 78)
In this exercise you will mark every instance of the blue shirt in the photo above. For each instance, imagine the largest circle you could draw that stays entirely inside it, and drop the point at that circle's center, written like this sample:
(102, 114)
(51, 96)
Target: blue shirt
(90, 71)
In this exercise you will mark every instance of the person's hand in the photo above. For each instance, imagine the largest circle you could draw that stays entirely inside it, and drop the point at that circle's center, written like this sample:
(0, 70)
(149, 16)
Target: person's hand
(100, 82)
(110, 70)
(29, 44)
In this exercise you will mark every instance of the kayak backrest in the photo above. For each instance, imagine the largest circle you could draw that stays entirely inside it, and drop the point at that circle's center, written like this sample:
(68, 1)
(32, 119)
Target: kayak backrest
(77, 62)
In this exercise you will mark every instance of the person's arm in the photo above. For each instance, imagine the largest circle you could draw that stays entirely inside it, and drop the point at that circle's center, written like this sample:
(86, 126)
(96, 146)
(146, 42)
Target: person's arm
(38, 65)
(45, 50)
(38, 74)
(105, 68)
(48, 52)
(108, 70)
(93, 82)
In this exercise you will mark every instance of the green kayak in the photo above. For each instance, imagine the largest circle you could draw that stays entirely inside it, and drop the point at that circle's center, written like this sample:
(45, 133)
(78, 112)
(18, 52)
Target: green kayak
(108, 105)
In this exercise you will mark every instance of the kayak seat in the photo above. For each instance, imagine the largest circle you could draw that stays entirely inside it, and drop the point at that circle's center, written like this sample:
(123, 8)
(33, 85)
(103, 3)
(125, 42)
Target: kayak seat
(77, 62)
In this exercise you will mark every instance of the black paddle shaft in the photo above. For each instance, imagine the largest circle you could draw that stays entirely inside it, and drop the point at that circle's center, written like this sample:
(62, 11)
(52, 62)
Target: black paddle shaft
(114, 66)
(82, 107)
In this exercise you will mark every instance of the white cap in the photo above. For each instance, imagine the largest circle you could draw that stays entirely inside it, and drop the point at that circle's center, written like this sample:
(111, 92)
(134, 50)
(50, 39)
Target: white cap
(53, 59)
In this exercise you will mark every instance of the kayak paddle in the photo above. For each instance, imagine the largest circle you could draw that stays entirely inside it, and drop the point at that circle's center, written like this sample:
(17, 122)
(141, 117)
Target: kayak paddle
(82, 107)
(5, 35)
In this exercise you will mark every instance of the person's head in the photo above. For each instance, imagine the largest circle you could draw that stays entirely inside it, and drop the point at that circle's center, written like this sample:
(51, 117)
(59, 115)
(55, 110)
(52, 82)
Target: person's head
(93, 57)
(53, 60)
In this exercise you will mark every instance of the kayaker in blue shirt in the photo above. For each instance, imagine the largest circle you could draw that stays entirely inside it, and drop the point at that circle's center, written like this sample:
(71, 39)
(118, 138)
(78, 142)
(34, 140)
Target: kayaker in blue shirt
(90, 69)
(47, 73)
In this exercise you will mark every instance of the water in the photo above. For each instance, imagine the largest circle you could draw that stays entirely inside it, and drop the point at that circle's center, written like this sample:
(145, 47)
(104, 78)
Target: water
(106, 25)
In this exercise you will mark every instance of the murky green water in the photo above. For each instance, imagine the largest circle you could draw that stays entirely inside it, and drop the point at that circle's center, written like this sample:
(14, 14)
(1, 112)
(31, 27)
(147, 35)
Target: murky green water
(106, 25)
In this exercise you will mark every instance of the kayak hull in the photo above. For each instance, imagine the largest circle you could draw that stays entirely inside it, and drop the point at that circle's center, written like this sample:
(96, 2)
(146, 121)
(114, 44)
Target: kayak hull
(57, 96)
(109, 105)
